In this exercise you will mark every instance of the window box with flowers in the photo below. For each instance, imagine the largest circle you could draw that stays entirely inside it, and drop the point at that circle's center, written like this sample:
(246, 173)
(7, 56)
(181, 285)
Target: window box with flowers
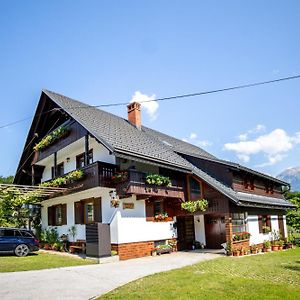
(162, 217)
(120, 177)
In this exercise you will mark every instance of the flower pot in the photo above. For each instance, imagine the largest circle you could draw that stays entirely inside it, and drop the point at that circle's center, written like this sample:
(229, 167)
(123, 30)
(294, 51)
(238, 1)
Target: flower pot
(254, 251)
(266, 249)
(47, 247)
(236, 253)
(274, 248)
(280, 247)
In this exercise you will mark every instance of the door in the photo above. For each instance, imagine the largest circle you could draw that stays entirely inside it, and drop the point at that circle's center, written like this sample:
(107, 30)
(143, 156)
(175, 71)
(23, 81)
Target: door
(185, 232)
(214, 231)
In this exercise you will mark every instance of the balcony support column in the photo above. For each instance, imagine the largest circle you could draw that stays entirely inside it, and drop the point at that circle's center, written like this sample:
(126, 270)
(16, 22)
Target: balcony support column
(55, 164)
(86, 150)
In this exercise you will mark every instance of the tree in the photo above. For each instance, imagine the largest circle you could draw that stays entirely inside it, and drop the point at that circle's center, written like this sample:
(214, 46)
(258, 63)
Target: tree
(8, 179)
(293, 215)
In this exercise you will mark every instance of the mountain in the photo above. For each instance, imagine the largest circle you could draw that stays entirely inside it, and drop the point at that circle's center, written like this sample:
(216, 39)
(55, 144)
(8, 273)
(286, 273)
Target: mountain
(292, 176)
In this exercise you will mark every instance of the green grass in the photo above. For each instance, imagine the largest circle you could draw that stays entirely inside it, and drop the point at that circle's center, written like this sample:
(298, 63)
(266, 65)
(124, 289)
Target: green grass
(267, 276)
(39, 261)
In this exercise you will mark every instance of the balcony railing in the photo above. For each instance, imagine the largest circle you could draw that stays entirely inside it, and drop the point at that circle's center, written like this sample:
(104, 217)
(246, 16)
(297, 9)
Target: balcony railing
(95, 174)
(136, 184)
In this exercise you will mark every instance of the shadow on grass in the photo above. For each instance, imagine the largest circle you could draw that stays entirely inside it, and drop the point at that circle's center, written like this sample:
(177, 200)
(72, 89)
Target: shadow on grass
(293, 268)
(12, 254)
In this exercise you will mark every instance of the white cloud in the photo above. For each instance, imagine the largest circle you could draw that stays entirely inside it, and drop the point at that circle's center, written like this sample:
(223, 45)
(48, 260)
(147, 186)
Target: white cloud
(193, 136)
(150, 106)
(273, 145)
(193, 139)
(258, 128)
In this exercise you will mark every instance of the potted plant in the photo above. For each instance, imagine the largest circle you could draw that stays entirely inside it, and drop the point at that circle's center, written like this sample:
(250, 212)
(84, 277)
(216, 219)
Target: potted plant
(275, 246)
(242, 251)
(267, 246)
(236, 252)
(280, 244)
(161, 217)
(253, 249)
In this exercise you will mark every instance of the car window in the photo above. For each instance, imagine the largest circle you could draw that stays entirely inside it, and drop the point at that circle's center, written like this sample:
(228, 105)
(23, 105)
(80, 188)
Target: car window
(9, 232)
(18, 233)
(26, 234)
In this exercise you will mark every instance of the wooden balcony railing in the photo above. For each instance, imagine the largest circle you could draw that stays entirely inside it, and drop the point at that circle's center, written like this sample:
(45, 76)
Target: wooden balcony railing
(136, 184)
(95, 174)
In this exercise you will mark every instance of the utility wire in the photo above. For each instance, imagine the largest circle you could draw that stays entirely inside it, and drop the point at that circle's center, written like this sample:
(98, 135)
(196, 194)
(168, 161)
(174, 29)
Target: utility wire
(249, 85)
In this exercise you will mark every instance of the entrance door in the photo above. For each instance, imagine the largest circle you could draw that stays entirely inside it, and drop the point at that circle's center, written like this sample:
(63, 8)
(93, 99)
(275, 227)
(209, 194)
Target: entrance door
(214, 231)
(185, 232)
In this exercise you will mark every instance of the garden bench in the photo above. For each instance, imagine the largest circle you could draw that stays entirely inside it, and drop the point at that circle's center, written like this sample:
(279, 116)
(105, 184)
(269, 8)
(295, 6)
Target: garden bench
(78, 246)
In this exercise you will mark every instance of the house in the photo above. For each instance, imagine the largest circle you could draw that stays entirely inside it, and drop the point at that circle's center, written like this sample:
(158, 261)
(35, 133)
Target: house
(115, 157)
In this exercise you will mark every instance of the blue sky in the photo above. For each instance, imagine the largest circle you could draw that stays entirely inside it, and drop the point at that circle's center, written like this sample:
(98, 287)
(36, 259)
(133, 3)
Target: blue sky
(107, 51)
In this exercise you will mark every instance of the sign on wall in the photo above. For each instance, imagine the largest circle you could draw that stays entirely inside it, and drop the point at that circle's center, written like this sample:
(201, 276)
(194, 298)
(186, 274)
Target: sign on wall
(128, 205)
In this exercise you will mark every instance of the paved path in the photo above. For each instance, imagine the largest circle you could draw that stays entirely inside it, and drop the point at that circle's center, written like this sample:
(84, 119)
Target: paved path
(85, 282)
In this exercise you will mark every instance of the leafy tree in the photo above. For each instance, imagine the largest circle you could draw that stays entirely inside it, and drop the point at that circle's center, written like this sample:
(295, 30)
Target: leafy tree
(293, 215)
(8, 179)
(13, 209)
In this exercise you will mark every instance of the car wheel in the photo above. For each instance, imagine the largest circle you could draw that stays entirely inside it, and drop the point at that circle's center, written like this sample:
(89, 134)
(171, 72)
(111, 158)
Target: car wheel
(22, 250)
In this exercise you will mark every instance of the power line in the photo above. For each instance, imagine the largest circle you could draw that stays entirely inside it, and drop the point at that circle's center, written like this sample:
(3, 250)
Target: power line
(249, 85)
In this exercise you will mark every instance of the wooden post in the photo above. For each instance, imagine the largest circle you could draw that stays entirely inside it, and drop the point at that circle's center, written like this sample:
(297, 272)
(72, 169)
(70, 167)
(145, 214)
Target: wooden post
(228, 228)
(86, 150)
(32, 175)
(55, 164)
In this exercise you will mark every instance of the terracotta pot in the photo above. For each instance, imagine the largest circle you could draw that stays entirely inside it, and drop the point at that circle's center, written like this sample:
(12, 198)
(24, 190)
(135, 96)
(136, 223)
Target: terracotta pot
(280, 247)
(267, 249)
(253, 251)
(47, 247)
(235, 253)
(274, 248)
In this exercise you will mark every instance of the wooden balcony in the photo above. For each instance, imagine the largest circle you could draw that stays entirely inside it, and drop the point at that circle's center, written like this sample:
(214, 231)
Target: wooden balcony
(97, 174)
(135, 184)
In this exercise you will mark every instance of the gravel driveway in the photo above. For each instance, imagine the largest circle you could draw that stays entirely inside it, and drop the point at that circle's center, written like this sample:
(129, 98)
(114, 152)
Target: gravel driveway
(85, 282)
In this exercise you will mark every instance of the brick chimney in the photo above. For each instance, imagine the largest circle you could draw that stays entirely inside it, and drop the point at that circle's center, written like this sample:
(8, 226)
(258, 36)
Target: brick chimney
(134, 114)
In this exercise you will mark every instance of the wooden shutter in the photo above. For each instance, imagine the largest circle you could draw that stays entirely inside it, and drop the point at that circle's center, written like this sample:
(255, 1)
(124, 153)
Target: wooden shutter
(64, 214)
(260, 225)
(51, 215)
(78, 207)
(269, 223)
(97, 210)
(149, 210)
(281, 226)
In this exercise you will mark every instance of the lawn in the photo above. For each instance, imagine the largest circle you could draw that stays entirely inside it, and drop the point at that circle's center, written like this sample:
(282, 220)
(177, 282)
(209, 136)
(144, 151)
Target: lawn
(39, 261)
(264, 276)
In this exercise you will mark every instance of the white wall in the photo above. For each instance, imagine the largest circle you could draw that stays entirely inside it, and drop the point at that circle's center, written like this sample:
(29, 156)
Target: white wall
(100, 153)
(200, 229)
(253, 228)
(126, 225)
(69, 200)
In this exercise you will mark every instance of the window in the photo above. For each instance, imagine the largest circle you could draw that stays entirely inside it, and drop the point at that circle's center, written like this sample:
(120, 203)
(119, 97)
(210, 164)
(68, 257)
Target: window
(248, 183)
(57, 215)
(59, 170)
(264, 224)
(195, 189)
(239, 222)
(269, 189)
(80, 159)
(158, 207)
(88, 211)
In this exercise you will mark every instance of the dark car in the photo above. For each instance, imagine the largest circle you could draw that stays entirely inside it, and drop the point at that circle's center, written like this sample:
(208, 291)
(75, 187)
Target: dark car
(18, 241)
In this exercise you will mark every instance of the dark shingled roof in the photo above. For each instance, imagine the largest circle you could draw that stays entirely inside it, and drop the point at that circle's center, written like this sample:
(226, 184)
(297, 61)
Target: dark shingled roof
(122, 138)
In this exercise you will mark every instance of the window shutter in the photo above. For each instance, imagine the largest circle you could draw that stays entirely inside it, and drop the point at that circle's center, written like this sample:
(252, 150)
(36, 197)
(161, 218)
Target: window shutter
(78, 212)
(260, 225)
(269, 223)
(50, 215)
(64, 214)
(97, 210)
(149, 210)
